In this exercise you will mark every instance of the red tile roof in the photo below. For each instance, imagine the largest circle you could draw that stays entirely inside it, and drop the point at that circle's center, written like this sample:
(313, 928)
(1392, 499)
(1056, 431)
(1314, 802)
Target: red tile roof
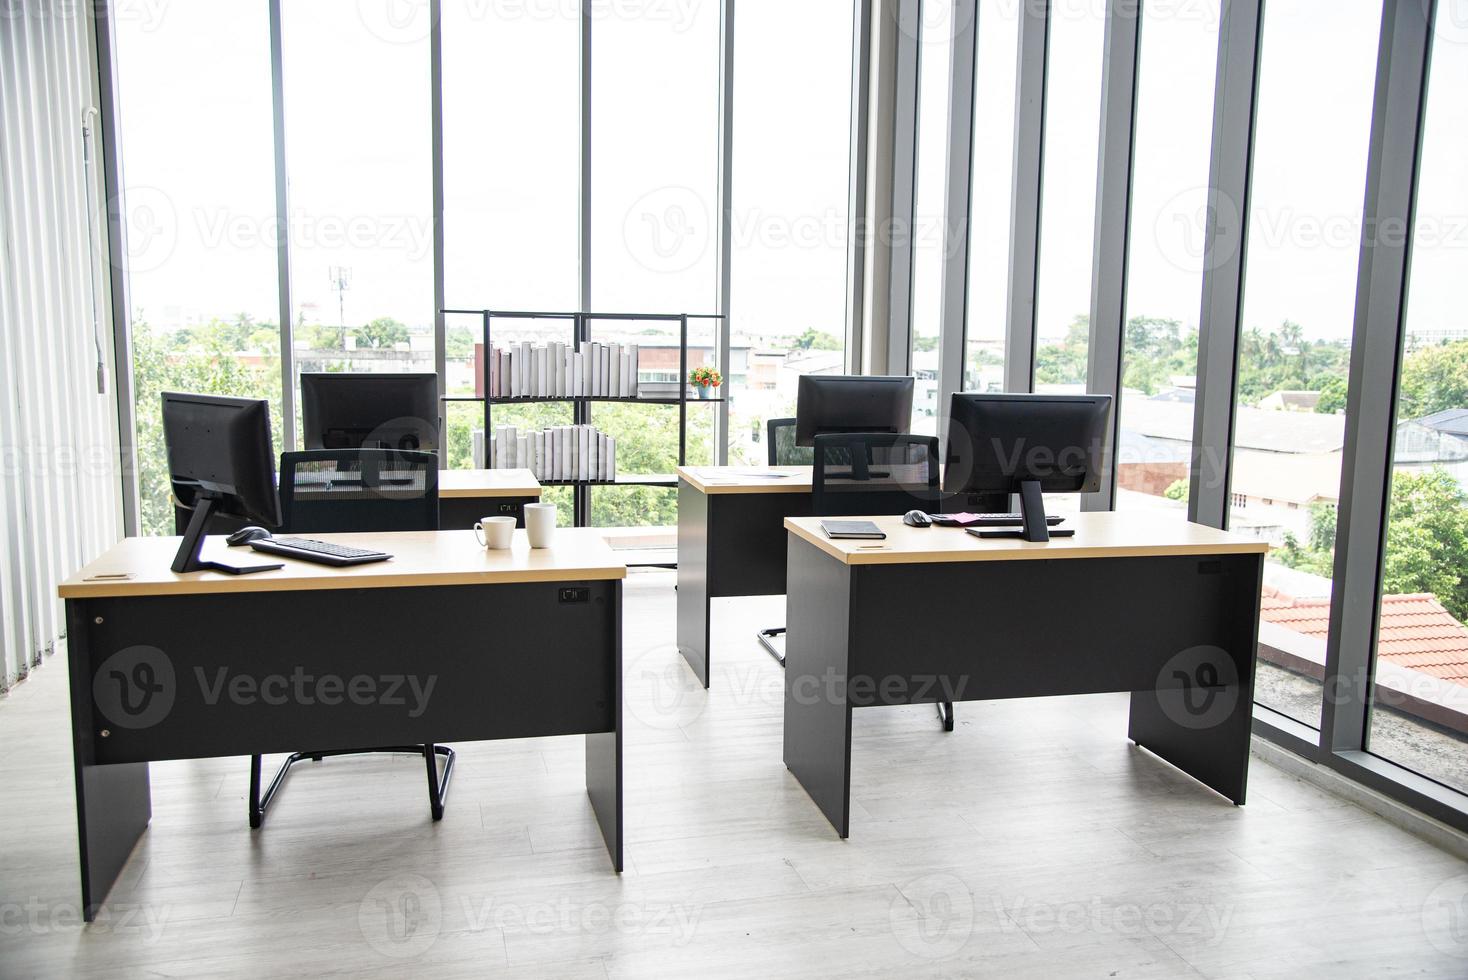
(1416, 631)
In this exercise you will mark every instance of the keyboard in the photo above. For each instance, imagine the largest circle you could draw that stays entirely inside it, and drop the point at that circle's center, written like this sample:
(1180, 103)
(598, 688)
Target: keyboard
(322, 552)
(988, 520)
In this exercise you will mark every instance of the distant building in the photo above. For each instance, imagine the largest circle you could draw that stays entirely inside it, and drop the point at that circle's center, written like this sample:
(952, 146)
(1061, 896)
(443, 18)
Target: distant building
(1290, 401)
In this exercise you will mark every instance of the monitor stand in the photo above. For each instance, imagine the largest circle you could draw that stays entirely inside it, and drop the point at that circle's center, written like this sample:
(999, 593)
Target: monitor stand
(187, 559)
(1032, 511)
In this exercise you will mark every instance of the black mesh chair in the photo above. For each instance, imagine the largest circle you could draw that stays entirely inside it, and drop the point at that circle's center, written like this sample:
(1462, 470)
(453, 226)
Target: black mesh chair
(781, 447)
(863, 474)
(326, 490)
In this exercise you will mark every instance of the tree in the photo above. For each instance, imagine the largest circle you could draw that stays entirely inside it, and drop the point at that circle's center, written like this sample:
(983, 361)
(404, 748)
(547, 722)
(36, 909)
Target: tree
(201, 359)
(814, 339)
(1427, 538)
(1065, 362)
(1434, 379)
(1322, 526)
(1332, 397)
(384, 333)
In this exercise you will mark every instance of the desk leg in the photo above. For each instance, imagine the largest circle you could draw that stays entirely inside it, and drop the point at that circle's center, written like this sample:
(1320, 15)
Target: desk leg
(693, 579)
(817, 710)
(113, 805)
(604, 758)
(1203, 730)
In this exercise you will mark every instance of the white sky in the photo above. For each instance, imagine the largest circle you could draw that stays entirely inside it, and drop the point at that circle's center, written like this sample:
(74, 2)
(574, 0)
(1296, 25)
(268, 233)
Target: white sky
(195, 82)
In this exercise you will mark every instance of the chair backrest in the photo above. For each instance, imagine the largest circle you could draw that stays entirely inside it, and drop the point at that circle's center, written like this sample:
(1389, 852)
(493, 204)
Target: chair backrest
(782, 448)
(323, 490)
(874, 473)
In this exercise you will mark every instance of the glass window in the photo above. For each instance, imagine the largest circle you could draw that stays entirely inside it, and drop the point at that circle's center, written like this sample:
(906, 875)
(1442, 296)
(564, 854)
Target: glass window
(935, 62)
(1315, 99)
(1165, 276)
(196, 144)
(995, 69)
(1068, 212)
(359, 163)
(791, 167)
(1419, 717)
(654, 158)
(511, 193)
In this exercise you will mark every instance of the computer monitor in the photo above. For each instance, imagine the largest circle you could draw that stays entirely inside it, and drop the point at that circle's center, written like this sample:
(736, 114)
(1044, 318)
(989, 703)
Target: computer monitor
(1026, 444)
(221, 459)
(835, 403)
(370, 411)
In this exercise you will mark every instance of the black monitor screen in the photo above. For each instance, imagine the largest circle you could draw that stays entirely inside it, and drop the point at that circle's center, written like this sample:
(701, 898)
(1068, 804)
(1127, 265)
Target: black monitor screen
(998, 441)
(827, 404)
(370, 411)
(222, 448)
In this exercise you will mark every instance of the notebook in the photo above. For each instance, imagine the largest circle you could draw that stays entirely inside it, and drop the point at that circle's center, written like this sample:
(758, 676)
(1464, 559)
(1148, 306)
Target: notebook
(852, 529)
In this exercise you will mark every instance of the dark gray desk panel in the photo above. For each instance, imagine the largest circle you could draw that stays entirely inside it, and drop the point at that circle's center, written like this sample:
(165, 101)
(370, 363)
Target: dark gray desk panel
(181, 677)
(1178, 632)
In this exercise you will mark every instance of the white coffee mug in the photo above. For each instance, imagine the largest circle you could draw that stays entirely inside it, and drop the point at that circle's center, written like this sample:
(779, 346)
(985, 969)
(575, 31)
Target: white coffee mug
(495, 532)
(540, 524)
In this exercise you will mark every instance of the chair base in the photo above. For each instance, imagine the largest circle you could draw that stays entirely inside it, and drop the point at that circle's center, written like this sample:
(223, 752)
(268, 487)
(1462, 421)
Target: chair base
(438, 783)
(767, 640)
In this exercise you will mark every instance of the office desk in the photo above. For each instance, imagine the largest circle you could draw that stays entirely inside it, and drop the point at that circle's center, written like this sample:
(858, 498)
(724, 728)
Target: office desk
(1137, 602)
(732, 540)
(464, 496)
(446, 642)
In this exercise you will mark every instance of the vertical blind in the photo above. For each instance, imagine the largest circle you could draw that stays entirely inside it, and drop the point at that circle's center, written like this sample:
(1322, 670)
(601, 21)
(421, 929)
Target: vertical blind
(59, 472)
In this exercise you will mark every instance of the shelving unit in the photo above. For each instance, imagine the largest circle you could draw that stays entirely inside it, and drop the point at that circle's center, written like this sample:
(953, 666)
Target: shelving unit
(581, 326)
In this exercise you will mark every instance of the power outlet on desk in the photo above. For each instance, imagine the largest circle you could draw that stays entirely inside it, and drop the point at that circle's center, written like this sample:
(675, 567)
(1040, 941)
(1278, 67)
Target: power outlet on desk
(575, 594)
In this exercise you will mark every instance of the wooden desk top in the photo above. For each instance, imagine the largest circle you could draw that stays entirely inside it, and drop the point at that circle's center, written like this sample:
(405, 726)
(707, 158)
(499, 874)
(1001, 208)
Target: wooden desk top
(747, 479)
(1099, 535)
(487, 483)
(419, 558)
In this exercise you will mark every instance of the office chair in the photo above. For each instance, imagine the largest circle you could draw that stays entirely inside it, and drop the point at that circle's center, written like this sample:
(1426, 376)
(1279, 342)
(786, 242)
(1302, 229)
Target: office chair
(325, 490)
(780, 445)
(781, 450)
(859, 474)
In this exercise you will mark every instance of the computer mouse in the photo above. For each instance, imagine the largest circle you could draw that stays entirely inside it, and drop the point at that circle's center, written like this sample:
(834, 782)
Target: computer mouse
(245, 535)
(916, 518)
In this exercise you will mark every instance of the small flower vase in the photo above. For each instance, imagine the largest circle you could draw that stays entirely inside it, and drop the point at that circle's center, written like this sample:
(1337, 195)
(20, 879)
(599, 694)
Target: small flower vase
(704, 391)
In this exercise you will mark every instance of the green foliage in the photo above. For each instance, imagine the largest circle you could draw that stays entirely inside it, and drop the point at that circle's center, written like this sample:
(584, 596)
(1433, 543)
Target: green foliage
(1427, 538)
(1322, 526)
(1434, 379)
(199, 359)
(384, 333)
(459, 343)
(1332, 397)
(1178, 490)
(814, 339)
(1065, 362)
(1284, 360)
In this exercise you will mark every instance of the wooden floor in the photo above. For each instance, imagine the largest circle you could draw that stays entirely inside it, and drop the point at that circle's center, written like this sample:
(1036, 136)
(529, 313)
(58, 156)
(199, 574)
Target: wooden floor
(1033, 841)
